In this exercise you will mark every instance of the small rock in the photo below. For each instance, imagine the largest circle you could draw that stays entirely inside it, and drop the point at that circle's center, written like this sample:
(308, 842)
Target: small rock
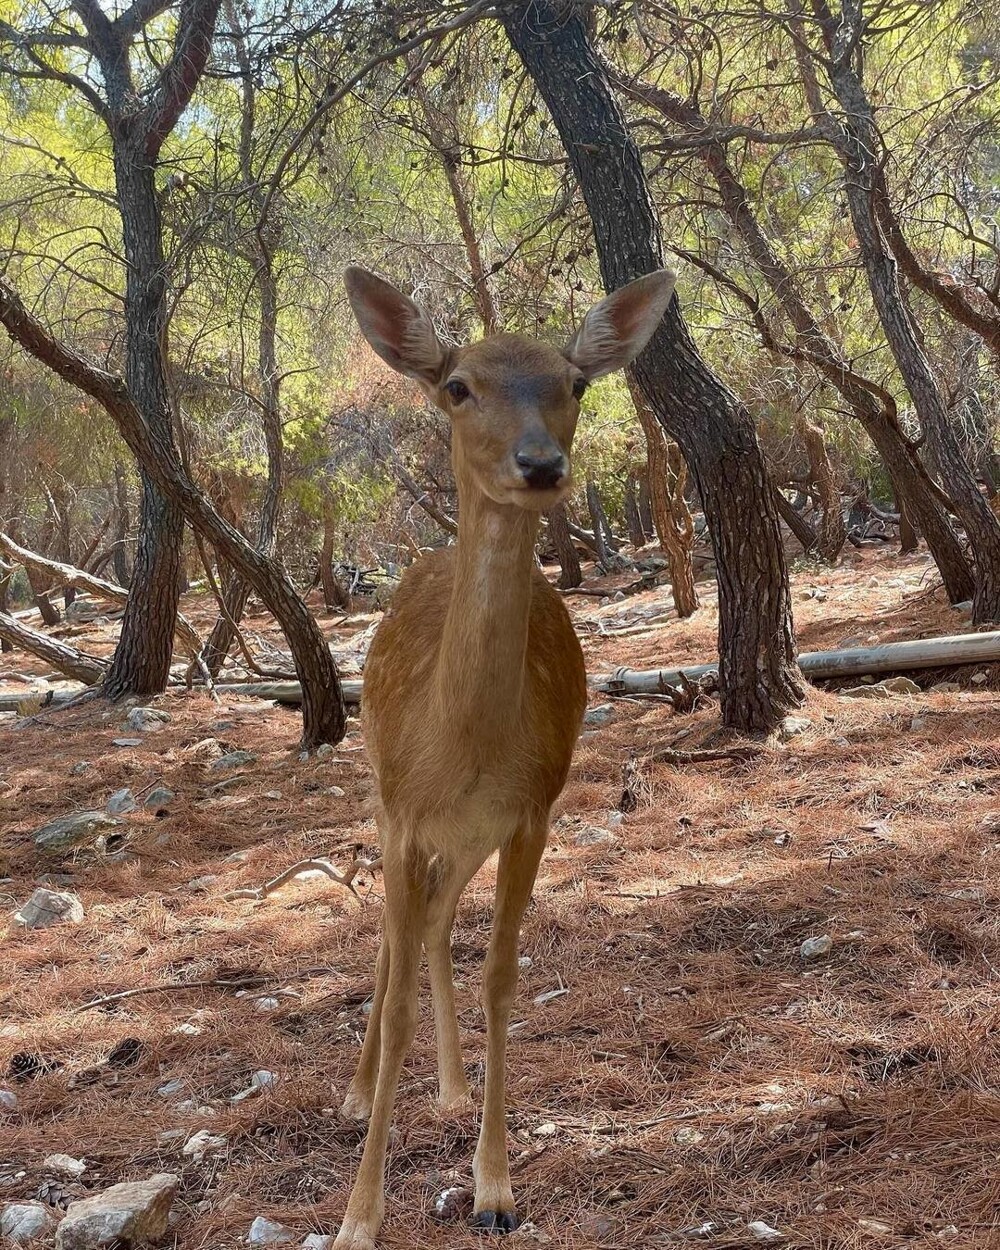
(783, 839)
(764, 1232)
(965, 607)
(303, 757)
(233, 759)
(230, 783)
(335, 792)
(918, 723)
(946, 687)
(599, 715)
(21, 1222)
(979, 679)
(203, 1143)
(204, 749)
(592, 835)
(267, 1004)
(126, 742)
(81, 767)
(68, 831)
(265, 1232)
(548, 1129)
(688, 1137)
(49, 907)
(318, 1241)
(146, 720)
(174, 1086)
(8, 1100)
(121, 802)
(159, 798)
(453, 1203)
(525, 961)
(698, 1232)
(900, 685)
(879, 1227)
(324, 751)
(792, 726)
(816, 947)
(272, 794)
(201, 884)
(134, 1213)
(65, 1164)
(260, 1081)
(618, 596)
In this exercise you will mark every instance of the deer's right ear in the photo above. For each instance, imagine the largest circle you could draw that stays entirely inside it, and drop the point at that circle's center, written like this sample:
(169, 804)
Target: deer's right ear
(397, 329)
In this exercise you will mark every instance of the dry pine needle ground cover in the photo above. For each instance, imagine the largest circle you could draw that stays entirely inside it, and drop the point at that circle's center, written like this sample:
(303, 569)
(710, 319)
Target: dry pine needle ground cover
(696, 1072)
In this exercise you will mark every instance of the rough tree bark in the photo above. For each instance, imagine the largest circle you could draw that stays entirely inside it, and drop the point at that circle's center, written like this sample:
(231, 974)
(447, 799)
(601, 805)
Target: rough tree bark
(569, 562)
(335, 596)
(795, 521)
(759, 680)
(86, 668)
(831, 533)
(672, 521)
(872, 405)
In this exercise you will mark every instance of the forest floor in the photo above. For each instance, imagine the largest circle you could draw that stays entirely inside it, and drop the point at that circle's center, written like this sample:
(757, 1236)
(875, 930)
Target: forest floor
(694, 1075)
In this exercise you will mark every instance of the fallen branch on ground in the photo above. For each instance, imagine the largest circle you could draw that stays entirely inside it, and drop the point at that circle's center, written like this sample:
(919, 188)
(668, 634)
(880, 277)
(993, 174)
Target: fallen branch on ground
(80, 579)
(666, 756)
(345, 879)
(89, 669)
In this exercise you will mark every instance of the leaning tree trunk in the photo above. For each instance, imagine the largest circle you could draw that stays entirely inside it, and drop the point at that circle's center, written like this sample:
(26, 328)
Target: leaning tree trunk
(795, 521)
(141, 663)
(569, 562)
(602, 528)
(759, 679)
(670, 513)
(832, 533)
(86, 668)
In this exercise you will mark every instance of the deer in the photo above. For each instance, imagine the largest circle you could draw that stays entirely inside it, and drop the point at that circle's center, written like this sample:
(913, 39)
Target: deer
(474, 694)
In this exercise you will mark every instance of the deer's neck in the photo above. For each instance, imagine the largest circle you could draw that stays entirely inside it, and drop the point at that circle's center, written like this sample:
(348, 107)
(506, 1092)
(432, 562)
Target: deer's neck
(480, 678)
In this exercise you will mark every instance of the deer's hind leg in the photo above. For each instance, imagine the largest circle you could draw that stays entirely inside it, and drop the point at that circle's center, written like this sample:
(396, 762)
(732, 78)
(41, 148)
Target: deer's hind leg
(357, 1104)
(453, 1086)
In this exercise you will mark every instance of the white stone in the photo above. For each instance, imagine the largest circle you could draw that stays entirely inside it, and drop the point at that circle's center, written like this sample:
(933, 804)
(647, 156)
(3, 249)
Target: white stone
(265, 1232)
(816, 947)
(49, 907)
(792, 726)
(22, 1222)
(764, 1232)
(599, 715)
(121, 801)
(318, 1241)
(146, 720)
(65, 1164)
(134, 1212)
(204, 1143)
(8, 1100)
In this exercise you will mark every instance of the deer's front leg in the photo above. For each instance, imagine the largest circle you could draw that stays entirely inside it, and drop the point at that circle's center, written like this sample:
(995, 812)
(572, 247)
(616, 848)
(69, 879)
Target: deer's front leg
(494, 1203)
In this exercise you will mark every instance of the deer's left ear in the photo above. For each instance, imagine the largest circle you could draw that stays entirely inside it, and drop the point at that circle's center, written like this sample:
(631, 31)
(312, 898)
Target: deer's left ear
(398, 329)
(616, 330)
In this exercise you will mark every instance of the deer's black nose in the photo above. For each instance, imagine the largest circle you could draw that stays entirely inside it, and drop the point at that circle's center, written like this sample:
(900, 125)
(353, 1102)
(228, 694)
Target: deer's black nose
(542, 472)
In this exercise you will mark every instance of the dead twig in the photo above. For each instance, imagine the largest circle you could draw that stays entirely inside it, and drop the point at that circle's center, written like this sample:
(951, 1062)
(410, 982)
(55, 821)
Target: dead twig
(666, 756)
(345, 879)
(242, 983)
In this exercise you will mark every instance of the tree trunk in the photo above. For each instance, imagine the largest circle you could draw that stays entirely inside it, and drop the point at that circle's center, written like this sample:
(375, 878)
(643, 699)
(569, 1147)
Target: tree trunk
(832, 533)
(909, 539)
(633, 520)
(602, 528)
(645, 501)
(795, 521)
(666, 476)
(141, 663)
(759, 681)
(5, 578)
(123, 574)
(86, 668)
(335, 596)
(569, 562)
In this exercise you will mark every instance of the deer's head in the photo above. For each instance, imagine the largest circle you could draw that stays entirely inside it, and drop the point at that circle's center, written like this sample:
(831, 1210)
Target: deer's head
(513, 402)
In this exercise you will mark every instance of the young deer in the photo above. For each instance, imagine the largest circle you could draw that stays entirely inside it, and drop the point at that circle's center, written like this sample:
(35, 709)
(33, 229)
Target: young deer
(474, 693)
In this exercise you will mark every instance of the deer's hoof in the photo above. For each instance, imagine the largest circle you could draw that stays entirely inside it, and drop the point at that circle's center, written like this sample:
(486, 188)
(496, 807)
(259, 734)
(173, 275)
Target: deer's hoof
(495, 1221)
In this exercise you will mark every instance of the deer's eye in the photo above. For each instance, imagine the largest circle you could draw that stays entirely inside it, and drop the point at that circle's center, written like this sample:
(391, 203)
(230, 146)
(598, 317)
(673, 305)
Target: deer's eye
(457, 391)
(579, 386)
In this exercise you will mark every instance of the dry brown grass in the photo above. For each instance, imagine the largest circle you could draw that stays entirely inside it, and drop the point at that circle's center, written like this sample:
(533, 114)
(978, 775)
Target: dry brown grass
(697, 1070)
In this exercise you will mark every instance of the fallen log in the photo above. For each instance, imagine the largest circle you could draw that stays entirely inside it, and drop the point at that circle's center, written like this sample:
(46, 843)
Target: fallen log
(890, 657)
(286, 692)
(89, 669)
(80, 579)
